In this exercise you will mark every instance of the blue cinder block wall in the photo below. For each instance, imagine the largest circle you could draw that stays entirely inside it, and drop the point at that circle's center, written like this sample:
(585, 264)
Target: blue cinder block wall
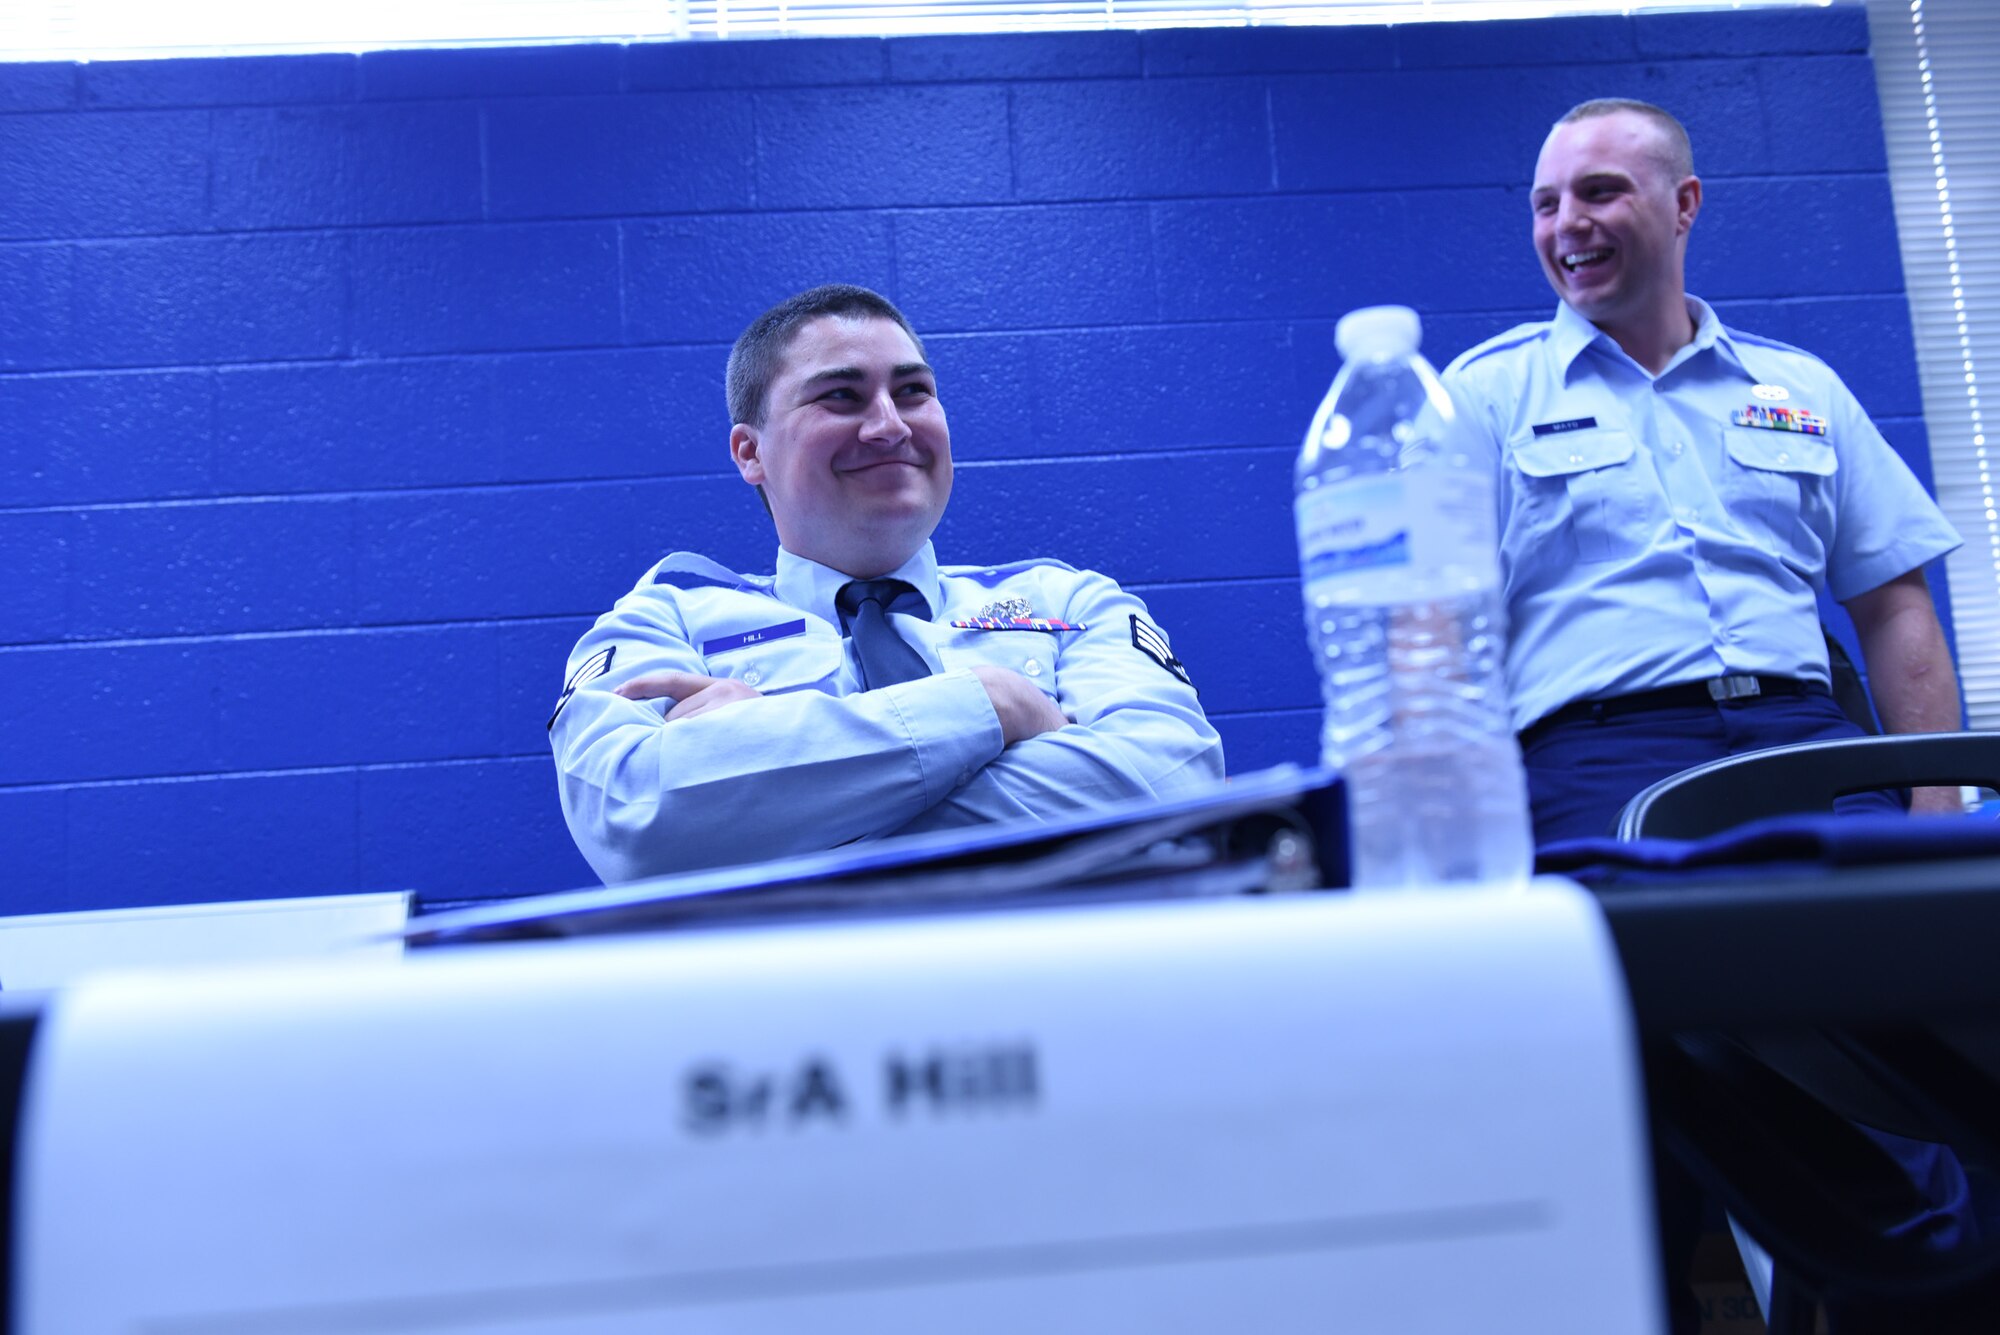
(338, 393)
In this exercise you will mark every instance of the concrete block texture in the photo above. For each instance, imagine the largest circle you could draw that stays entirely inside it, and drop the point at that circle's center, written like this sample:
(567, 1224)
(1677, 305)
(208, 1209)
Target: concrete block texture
(470, 289)
(1414, 129)
(222, 81)
(1830, 30)
(34, 601)
(1838, 238)
(339, 394)
(191, 568)
(111, 711)
(454, 73)
(635, 153)
(502, 552)
(671, 264)
(206, 840)
(134, 436)
(755, 63)
(1169, 52)
(1252, 742)
(1062, 57)
(866, 148)
(45, 86)
(173, 301)
(467, 830)
(1140, 139)
(1033, 268)
(358, 697)
(1301, 256)
(1208, 623)
(442, 422)
(105, 175)
(34, 833)
(1205, 385)
(1133, 518)
(1511, 43)
(345, 165)
(222, 704)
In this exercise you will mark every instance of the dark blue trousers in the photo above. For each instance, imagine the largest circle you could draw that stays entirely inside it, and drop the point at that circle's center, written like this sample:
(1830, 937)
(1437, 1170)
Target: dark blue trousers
(1580, 776)
(1582, 773)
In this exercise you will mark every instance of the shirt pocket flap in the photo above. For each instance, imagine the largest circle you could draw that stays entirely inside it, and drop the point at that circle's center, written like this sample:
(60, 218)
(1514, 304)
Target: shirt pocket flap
(1567, 452)
(783, 665)
(1030, 653)
(1780, 451)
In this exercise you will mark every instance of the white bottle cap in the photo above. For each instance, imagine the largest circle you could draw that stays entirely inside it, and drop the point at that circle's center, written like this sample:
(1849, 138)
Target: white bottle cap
(1378, 331)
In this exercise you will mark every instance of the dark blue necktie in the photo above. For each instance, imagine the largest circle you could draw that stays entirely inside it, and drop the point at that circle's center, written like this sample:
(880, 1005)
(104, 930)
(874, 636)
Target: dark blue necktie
(886, 657)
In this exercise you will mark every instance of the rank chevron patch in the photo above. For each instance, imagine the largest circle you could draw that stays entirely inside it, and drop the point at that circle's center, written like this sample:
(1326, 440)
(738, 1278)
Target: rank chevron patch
(1148, 640)
(587, 671)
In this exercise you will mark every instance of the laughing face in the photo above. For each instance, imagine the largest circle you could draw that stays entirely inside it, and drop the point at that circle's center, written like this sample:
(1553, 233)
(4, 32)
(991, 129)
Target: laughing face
(1611, 222)
(853, 454)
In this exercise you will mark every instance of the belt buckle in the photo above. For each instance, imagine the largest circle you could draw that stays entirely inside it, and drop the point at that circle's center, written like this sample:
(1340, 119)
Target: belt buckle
(1733, 688)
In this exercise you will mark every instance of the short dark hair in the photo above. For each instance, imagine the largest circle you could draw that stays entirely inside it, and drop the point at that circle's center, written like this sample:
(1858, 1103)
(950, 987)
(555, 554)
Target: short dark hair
(754, 361)
(1679, 157)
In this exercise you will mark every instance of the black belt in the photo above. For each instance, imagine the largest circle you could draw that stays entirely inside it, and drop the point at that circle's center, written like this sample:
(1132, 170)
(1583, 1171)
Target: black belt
(1717, 690)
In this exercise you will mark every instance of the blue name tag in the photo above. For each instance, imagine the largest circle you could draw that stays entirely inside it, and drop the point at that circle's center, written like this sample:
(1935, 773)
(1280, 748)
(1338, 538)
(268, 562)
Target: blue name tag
(749, 637)
(1557, 428)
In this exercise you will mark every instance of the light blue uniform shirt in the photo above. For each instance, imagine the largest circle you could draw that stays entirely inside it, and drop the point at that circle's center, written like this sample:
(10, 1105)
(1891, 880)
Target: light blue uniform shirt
(818, 762)
(1648, 539)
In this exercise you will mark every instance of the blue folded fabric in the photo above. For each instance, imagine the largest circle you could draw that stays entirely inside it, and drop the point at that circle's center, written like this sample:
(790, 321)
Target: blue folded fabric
(1818, 839)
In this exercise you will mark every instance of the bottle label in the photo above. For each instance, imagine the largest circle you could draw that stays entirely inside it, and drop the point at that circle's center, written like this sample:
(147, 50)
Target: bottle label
(1391, 536)
(1355, 532)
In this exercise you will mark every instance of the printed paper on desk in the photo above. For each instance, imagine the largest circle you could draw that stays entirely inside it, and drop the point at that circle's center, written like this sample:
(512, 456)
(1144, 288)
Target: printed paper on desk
(1279, 1114)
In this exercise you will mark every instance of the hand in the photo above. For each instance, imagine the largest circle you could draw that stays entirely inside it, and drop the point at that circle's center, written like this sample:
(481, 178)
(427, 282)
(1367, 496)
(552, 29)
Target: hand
(692, 693)
(1936, 802)
(1024, 711)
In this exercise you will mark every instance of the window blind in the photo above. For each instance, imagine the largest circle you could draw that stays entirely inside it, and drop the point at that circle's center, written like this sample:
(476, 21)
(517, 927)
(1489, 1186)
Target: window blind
(99, 29)
(1934, 63)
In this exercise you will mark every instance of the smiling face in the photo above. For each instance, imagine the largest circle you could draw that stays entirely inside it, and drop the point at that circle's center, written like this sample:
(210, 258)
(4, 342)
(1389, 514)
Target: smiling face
(853, 453)
(1612, 221)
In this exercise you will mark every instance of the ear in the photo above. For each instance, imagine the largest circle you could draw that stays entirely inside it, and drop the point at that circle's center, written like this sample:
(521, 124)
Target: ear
(745, 449)
(1687, 199)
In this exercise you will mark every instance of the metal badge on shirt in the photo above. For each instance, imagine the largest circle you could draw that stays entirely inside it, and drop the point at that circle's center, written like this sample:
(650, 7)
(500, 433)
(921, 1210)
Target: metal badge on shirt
(1015, 614)
(586, 672)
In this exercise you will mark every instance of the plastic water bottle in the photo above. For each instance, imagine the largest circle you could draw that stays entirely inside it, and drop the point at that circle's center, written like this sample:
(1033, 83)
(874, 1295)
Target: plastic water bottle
(1400, 562)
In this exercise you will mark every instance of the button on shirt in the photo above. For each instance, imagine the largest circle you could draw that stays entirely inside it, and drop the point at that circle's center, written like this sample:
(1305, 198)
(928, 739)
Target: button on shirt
(1647, 539)
(818, 762)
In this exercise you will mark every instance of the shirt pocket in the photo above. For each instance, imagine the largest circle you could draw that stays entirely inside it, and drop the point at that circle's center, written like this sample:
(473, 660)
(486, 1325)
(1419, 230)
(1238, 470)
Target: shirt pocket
(1778, 485)
(1586, 493)
(1032, 653)
(811, 661)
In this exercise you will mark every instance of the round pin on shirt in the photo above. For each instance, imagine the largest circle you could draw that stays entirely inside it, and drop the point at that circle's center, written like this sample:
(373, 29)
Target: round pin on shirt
(1771, 393)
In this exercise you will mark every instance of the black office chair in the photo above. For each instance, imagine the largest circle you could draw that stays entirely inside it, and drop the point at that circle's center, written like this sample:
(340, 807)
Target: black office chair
(1765, 1121)
(1806, 777)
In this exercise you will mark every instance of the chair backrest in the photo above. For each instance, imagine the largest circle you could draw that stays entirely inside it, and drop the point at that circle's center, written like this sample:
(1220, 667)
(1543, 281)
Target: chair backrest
(1808, 776)
(1761, 1117)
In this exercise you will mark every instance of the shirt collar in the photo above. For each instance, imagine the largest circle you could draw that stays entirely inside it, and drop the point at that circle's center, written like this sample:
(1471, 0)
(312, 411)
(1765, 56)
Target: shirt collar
(1745, 357)
(1708, 333)
(1571, 334)
(812, 587)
